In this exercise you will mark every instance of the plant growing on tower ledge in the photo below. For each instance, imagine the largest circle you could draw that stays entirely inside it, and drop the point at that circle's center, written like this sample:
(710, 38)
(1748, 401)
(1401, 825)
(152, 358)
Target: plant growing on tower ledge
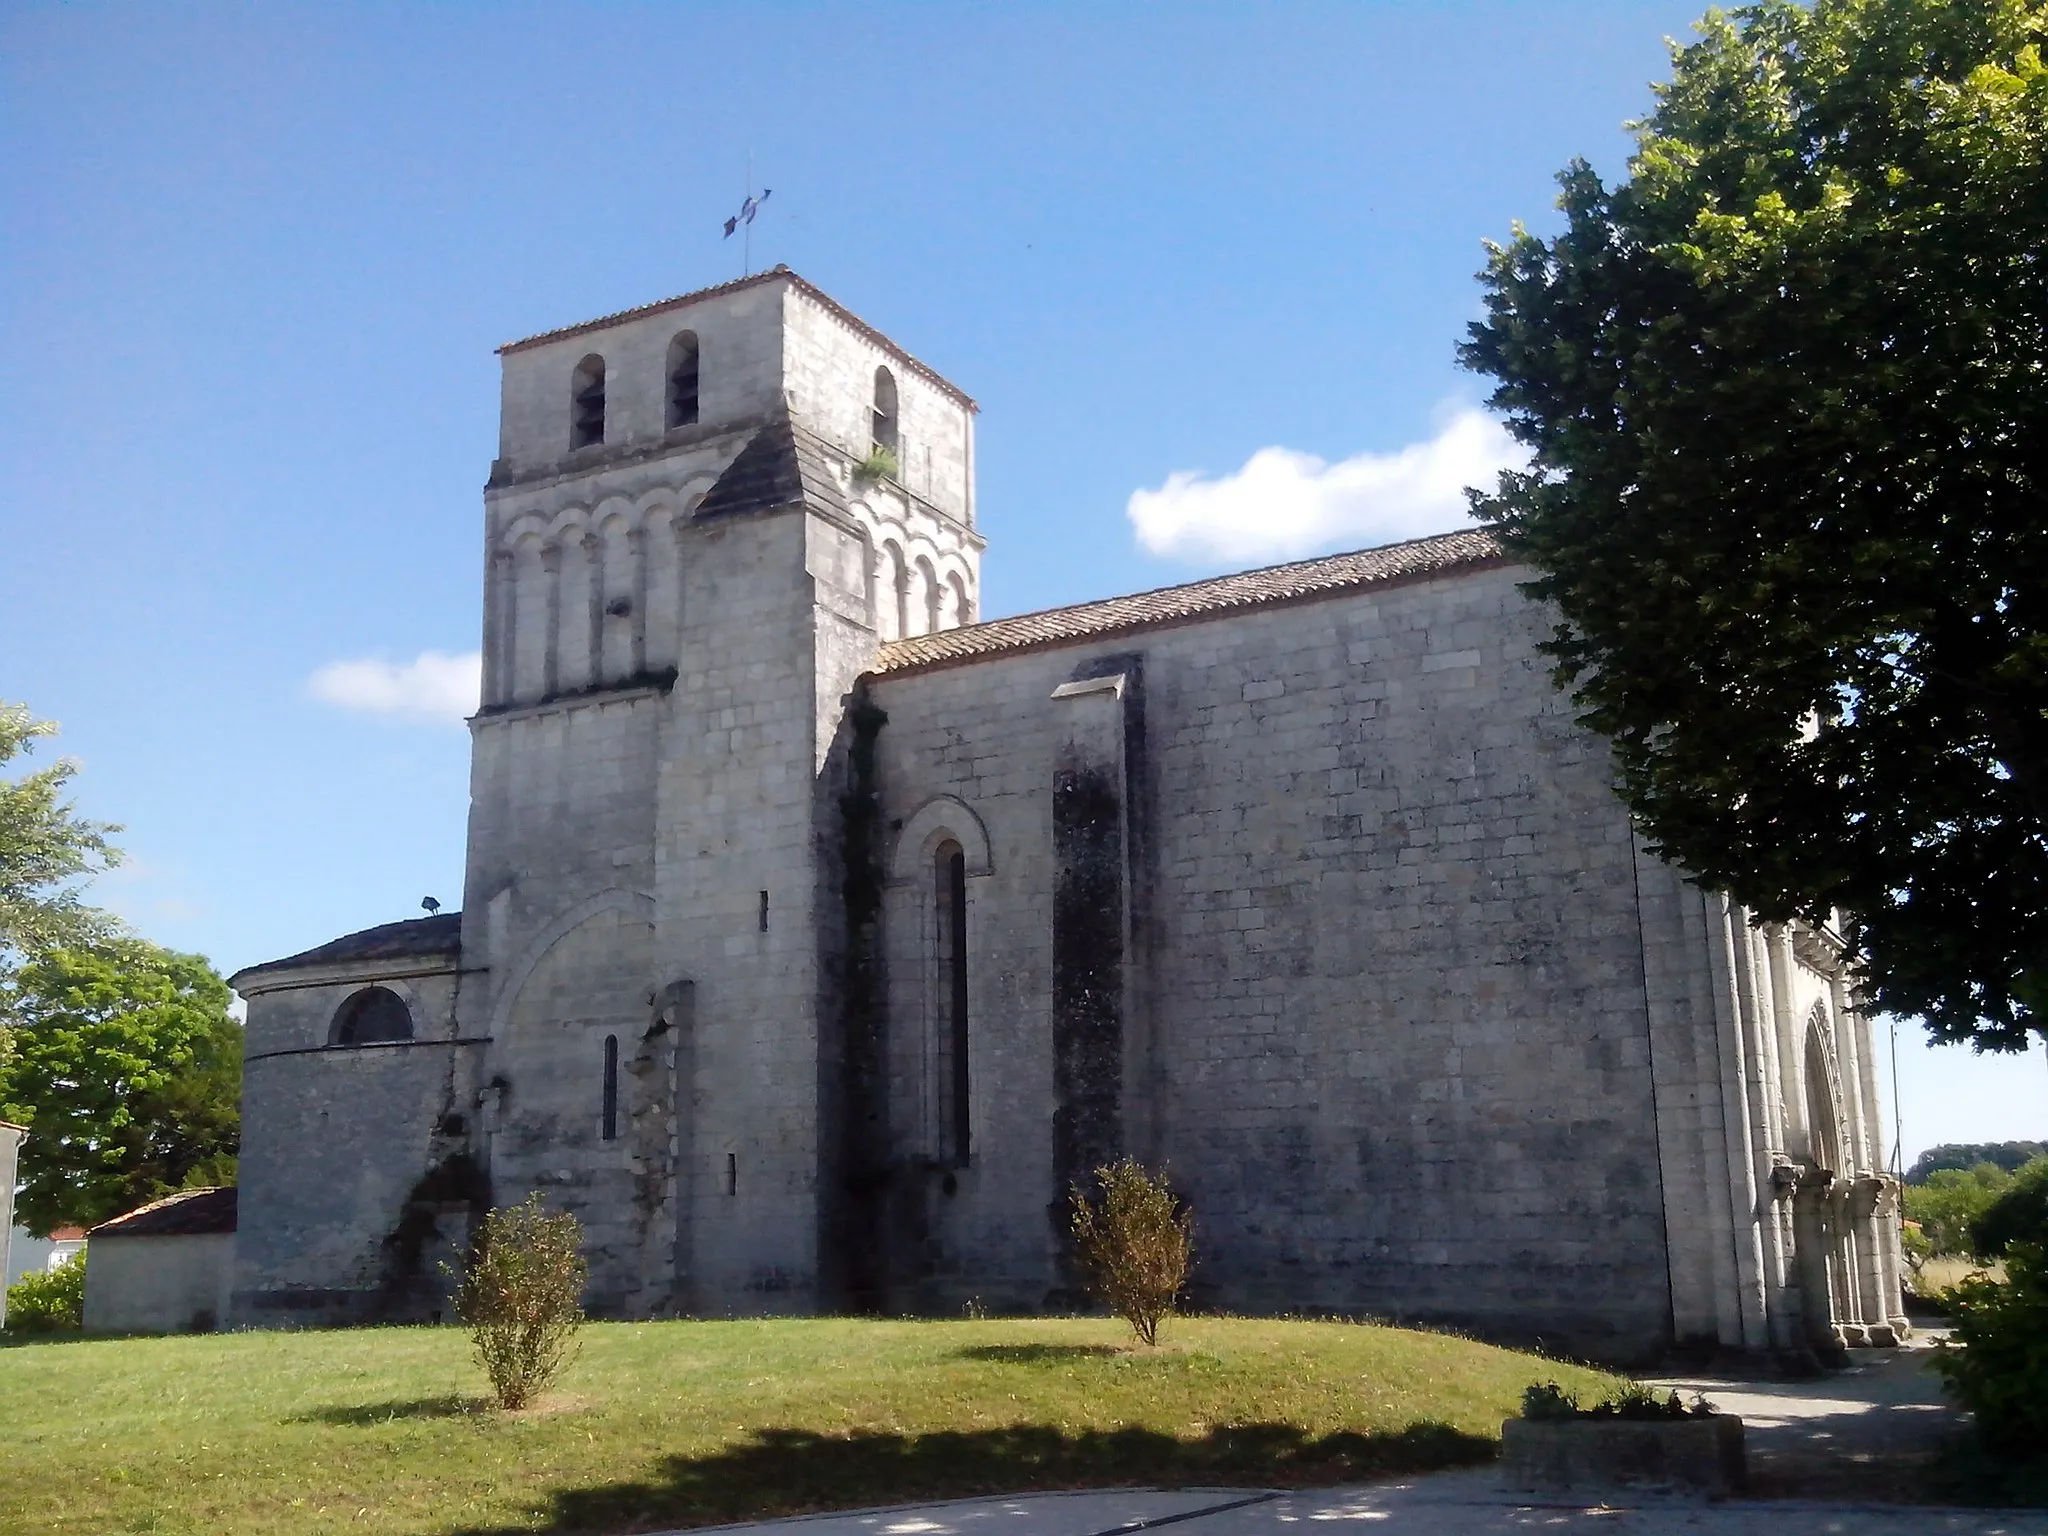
(879, 465)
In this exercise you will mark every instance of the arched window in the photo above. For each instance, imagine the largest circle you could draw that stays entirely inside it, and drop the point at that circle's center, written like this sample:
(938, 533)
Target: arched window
(885, 410)
(949, 881)
(611, 1088)
(371, 1017)
(586, 403)
(682, 380)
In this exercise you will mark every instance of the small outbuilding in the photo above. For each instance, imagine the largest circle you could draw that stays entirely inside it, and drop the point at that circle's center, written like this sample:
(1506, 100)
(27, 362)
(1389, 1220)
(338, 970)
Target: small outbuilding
(165, 1267)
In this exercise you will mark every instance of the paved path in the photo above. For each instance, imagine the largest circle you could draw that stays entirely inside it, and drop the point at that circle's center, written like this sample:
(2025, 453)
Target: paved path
(1824, 1456)
(1865, 1434)
(1446, 1504)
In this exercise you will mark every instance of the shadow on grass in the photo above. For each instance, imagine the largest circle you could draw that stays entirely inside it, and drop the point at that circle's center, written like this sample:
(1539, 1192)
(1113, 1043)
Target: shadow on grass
(1039, 1354)
(449, 1406)
(795, 1471)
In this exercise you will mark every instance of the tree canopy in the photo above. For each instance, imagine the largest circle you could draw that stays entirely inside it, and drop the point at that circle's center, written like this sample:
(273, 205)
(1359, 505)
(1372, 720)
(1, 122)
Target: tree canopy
(1786, 392)
(45, 846)
(127, 1070)
(2009, 1155)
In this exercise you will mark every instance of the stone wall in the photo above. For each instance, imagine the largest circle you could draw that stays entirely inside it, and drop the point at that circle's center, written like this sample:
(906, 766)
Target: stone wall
(355, 1177)
(161, 1284)
(1383, 1011)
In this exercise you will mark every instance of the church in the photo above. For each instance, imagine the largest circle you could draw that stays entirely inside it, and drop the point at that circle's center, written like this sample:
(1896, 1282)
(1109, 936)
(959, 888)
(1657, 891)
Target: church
(819, 934)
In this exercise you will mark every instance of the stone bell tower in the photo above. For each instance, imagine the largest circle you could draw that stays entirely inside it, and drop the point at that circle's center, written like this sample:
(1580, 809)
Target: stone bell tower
(705, 516)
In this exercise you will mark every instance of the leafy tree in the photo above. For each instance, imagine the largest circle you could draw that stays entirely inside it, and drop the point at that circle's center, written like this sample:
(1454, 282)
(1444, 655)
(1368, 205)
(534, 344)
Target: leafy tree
(127, 1071)
(1785, 394)
(2009, 1155)
(44, 847)
(2017, 1214)
(1949, 1203)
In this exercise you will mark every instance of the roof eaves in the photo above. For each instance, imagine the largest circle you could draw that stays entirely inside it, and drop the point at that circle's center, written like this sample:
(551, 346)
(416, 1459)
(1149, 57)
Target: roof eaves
(838, 310)
(1195, 602)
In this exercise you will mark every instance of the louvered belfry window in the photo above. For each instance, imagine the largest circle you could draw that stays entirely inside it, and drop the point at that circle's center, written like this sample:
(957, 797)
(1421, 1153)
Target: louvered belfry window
(586, 408)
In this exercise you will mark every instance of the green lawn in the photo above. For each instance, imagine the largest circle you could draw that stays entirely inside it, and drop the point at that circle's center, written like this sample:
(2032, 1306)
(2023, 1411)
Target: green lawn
(663, 1424)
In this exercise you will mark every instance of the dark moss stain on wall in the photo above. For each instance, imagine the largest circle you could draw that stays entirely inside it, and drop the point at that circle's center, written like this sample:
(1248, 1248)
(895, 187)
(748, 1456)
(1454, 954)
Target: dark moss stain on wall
(859, 1193)
(456, 1185)
(1087, 980)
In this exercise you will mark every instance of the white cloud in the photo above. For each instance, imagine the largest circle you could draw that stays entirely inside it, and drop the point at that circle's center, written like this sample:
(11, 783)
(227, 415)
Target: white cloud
(1284, 504)
(432, 686)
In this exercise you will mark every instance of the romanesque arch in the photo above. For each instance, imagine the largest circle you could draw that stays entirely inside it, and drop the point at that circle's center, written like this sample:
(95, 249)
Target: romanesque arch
(935, 821)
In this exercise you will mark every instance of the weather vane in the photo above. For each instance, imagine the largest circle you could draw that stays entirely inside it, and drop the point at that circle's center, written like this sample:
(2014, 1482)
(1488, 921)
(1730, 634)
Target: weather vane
(743, 221)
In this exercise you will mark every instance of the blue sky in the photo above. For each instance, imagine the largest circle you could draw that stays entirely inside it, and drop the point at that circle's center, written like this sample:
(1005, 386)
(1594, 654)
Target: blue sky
(254, 261)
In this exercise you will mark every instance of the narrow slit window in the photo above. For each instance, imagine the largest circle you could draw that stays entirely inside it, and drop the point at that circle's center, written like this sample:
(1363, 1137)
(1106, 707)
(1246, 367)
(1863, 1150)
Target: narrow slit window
(586, 403)
(611, 1087)
(951, 882)
(885, 433)
(732, 1173)
(764, 911)
(682, 380)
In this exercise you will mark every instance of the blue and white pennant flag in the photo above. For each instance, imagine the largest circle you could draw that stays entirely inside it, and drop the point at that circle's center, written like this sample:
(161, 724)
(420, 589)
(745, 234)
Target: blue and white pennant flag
(747, 211)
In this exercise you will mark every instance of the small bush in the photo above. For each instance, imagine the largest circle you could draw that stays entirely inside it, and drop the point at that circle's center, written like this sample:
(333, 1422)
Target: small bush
(2001, 1370)
(2019, 1214)
(1136, 1244)
(1916, 1247)
(49, 1300)
(522, 1298)
(1548, 1402)
(879, 465)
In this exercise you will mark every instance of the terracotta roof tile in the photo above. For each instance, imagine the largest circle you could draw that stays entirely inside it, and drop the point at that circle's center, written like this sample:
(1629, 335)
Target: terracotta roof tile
(188, 1213)
(1303, 580)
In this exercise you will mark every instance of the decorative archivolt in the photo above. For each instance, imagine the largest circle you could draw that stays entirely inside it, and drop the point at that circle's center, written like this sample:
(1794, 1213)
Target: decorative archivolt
(670, 505)
(1825, 1108)
(940, 820)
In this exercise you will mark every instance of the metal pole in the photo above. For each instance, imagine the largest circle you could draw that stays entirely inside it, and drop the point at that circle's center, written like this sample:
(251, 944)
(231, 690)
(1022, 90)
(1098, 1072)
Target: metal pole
(1898, 1117)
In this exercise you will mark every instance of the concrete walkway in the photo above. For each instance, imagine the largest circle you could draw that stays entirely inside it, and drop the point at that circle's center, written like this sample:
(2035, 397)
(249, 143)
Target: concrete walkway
(1865, 1434)
(1825, 1456)
(1446, 1504)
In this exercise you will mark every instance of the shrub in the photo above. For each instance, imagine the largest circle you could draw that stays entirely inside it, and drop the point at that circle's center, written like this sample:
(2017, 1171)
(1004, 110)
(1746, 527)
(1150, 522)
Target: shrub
(1915, 1247)
(879, 465)
(2001, 1371)
(2018, 1215)
(521, 1298)
(1548, 1402)
(1136, 1243)
(48, 1300)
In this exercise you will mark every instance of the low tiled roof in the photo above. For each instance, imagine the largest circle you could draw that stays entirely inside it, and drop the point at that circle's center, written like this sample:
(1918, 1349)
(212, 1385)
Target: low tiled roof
(188, 1213)
(440, 934)
(1300, 581)
(823, 298)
